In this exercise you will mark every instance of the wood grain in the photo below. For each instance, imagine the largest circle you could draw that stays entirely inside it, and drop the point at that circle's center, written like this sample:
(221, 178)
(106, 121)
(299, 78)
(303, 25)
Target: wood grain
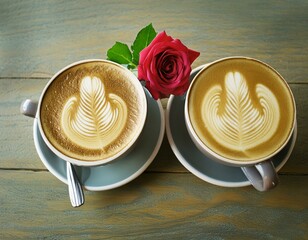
(168, 206)
(38, 38)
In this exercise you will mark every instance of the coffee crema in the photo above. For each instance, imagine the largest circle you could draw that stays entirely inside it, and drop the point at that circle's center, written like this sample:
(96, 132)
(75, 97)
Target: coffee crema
(92, 111)
(241, 109)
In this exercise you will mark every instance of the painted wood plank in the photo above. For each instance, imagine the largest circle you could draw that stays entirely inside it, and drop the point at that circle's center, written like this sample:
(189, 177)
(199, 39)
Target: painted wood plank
(154, 206)
(17, 146)
(38, 38)
(18, 151)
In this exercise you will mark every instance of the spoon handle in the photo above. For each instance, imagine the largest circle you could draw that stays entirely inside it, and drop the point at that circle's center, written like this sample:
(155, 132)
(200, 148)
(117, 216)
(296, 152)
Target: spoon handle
(74, 187)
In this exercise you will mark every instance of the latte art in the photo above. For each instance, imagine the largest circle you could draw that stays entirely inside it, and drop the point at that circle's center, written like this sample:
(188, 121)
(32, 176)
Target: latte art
(93, 111)
(240, 109)
(94, 119)
(239, 124)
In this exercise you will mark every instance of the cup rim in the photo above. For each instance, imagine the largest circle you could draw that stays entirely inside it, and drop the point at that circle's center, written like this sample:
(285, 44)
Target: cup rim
(205, 149)
(98, 162)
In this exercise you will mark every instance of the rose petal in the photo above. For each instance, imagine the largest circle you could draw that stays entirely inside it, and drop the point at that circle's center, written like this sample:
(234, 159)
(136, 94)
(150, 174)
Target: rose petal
(165, 65)
(193, 55)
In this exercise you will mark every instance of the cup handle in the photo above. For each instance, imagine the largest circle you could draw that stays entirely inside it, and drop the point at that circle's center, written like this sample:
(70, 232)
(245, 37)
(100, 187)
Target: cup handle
(263, 176)
(29, 108)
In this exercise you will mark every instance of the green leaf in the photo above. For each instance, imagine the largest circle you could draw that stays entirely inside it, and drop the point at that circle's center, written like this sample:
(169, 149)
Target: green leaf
(143, 39)
(120, 53)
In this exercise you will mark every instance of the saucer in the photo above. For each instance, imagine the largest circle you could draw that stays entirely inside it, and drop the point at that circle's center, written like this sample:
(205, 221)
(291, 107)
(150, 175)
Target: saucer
(121, 171)
(198, 164)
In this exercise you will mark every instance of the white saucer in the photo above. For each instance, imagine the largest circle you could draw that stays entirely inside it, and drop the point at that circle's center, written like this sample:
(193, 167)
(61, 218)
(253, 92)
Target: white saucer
(194, 161)
(121, 171)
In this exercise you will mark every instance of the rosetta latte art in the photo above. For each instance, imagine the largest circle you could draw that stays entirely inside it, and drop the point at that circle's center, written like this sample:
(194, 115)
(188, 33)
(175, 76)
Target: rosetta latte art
(93, 119)
(238, 124)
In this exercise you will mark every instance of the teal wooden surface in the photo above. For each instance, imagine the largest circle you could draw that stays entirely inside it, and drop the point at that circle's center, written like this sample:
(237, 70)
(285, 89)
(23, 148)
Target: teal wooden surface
(154, 206)
(38, 38)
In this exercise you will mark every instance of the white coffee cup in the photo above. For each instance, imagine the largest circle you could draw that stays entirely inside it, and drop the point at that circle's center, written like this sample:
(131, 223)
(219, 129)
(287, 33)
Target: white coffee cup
(240, 112)
(34, 109)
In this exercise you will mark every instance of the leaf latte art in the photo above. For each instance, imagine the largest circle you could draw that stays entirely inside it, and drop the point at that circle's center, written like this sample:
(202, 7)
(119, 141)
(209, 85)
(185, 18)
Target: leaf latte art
(234, 118)
(94, 119)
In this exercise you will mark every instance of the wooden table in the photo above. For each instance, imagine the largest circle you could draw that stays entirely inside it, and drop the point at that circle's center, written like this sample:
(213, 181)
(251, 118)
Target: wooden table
(38, 38)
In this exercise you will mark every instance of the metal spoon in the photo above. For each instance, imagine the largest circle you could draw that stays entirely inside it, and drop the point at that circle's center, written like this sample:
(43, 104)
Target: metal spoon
(74, 187)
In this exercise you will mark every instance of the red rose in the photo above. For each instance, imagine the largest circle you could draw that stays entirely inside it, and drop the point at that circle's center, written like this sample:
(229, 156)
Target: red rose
(165, 65)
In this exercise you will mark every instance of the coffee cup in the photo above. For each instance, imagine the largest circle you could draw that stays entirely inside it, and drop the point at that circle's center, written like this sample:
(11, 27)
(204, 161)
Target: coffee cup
(91, 112)
(241, 112)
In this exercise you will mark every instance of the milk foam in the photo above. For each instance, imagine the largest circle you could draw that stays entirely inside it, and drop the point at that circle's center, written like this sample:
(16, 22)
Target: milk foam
(93, 119)
(239, 124)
